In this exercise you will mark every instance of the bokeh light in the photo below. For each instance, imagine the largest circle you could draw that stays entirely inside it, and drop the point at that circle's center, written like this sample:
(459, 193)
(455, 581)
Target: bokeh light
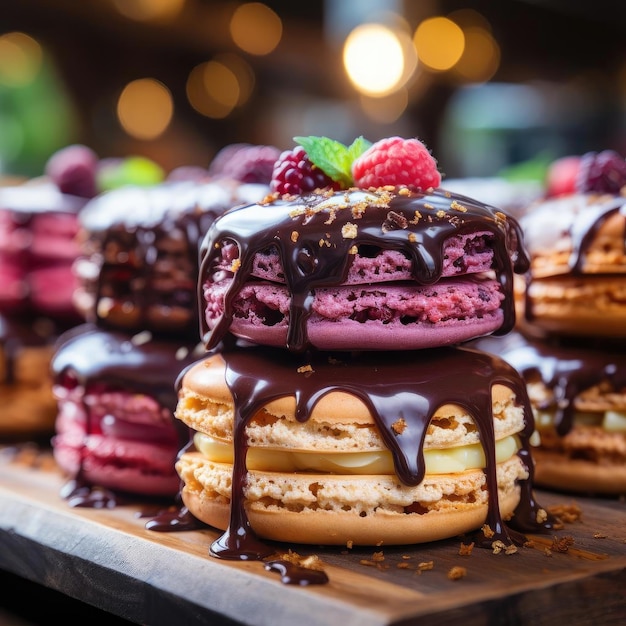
(439, 43)
(20, 59)
(481, 57)
(242, 71)
(373, 58)
(149, 10)
(145, 108)
(255, 28)
(213, 89)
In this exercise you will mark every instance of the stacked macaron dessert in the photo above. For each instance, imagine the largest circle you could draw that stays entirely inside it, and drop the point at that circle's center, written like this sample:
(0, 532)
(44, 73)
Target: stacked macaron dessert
(571, 345)
(114, 376)
(38, 226)
(337, 402)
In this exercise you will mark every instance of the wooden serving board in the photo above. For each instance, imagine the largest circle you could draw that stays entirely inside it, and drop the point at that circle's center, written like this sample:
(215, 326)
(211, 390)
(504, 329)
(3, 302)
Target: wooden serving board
(108, 559)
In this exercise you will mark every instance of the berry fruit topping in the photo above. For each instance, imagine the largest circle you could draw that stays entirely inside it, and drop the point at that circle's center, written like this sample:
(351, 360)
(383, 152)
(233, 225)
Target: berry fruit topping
(396, 161)
(73, 170)
(295, 173)
(561, 176)
(601, 172)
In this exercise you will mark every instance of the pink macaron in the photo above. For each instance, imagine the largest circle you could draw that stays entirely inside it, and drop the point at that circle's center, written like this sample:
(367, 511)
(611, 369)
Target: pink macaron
(116, 396)
(390, 269)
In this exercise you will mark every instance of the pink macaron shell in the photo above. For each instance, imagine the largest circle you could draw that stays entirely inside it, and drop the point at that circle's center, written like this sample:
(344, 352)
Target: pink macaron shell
(52, 290)
(126, 443)
(346, 335)
(54, 236)
(384, 316)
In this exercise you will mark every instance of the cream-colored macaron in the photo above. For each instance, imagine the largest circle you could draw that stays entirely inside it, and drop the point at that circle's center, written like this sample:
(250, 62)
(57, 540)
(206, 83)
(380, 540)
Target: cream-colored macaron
(330, 478)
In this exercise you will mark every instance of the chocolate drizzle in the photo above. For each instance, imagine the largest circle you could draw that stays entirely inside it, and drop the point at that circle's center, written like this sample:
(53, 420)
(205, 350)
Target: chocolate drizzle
(582, 232)
(147, 241)
(87, 356)
(565, 368)
(408, 385)
(310, 236)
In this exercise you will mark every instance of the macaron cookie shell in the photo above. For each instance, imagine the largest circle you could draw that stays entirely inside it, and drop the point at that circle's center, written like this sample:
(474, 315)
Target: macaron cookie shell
(27, 407)
(115, 394)
(374, 448)
(38, 226)
(381, 269)
(578, 395)
(139, 252)
(576, 283)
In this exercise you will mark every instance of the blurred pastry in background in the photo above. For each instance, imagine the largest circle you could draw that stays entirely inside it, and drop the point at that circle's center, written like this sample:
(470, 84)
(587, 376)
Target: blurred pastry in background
(576, 283)
(578, 394)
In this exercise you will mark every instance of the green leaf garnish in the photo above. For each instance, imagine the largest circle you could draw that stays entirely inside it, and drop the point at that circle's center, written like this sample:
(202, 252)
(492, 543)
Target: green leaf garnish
(332, 157)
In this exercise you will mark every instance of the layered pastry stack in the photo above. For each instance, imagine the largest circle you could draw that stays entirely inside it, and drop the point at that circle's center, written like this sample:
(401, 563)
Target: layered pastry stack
(571, 344)
(38, 225)
(114, 375)
(337, 403)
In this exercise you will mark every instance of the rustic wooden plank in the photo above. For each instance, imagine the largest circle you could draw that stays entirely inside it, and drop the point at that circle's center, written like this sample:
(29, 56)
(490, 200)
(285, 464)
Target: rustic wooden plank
(108, 559)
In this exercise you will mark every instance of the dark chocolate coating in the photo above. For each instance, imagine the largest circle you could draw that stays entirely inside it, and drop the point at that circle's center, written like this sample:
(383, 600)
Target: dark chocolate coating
(565, 366)
(313, 238)
(410, 385)
(145, 241)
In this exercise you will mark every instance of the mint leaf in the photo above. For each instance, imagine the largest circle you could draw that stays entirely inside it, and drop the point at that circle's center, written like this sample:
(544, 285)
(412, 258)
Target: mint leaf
(357, 148)
(332, 157)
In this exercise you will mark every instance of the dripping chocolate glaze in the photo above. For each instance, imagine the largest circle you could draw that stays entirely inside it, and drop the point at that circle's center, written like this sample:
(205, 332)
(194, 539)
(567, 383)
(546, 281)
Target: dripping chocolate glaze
(408, 385)
(582, 232)
(565, 367)
(91, 355)
(143, 234)
(307, 232)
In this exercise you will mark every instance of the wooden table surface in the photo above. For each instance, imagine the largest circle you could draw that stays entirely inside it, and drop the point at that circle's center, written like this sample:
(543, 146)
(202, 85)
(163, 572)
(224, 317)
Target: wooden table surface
(108, 559)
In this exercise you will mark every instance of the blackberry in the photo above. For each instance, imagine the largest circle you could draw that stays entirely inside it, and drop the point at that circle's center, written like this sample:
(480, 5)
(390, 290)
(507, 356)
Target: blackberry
(601, 172)
(294, 174)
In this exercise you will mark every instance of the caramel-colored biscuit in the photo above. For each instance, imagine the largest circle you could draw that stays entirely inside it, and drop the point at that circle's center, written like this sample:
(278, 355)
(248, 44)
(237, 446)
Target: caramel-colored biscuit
(576, 284)
(330, 478)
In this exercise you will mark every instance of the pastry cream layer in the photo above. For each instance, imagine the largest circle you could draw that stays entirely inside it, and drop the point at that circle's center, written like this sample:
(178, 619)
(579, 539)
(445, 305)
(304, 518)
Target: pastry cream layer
(611, 421)
(448, 461)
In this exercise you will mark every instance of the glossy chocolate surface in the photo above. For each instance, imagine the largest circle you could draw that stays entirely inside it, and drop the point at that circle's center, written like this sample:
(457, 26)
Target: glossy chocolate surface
(88, 357)
(565, 366)
(145, 242)
(316, 236)
(406, 385)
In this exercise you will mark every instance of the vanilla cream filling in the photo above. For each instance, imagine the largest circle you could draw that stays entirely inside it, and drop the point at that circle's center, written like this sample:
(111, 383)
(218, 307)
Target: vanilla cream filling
(611, 421)
(448, 461)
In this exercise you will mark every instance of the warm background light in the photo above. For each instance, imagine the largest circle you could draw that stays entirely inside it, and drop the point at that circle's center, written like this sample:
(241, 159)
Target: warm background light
(20, 59)
(373, 59)
(481, 57)
(149, 10)
(145, 108)
(213, 89)
(256, 28)
(439, 43)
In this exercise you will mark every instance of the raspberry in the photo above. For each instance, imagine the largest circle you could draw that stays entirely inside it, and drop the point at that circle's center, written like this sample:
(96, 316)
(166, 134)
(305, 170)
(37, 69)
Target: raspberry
(73, 170)
(601, 172)
(294, 174)
(246, 163)
(561, 176)
(396, 161)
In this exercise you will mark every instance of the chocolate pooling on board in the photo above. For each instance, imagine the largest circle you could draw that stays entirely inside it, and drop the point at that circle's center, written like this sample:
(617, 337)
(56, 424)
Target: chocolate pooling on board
(408, 385)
